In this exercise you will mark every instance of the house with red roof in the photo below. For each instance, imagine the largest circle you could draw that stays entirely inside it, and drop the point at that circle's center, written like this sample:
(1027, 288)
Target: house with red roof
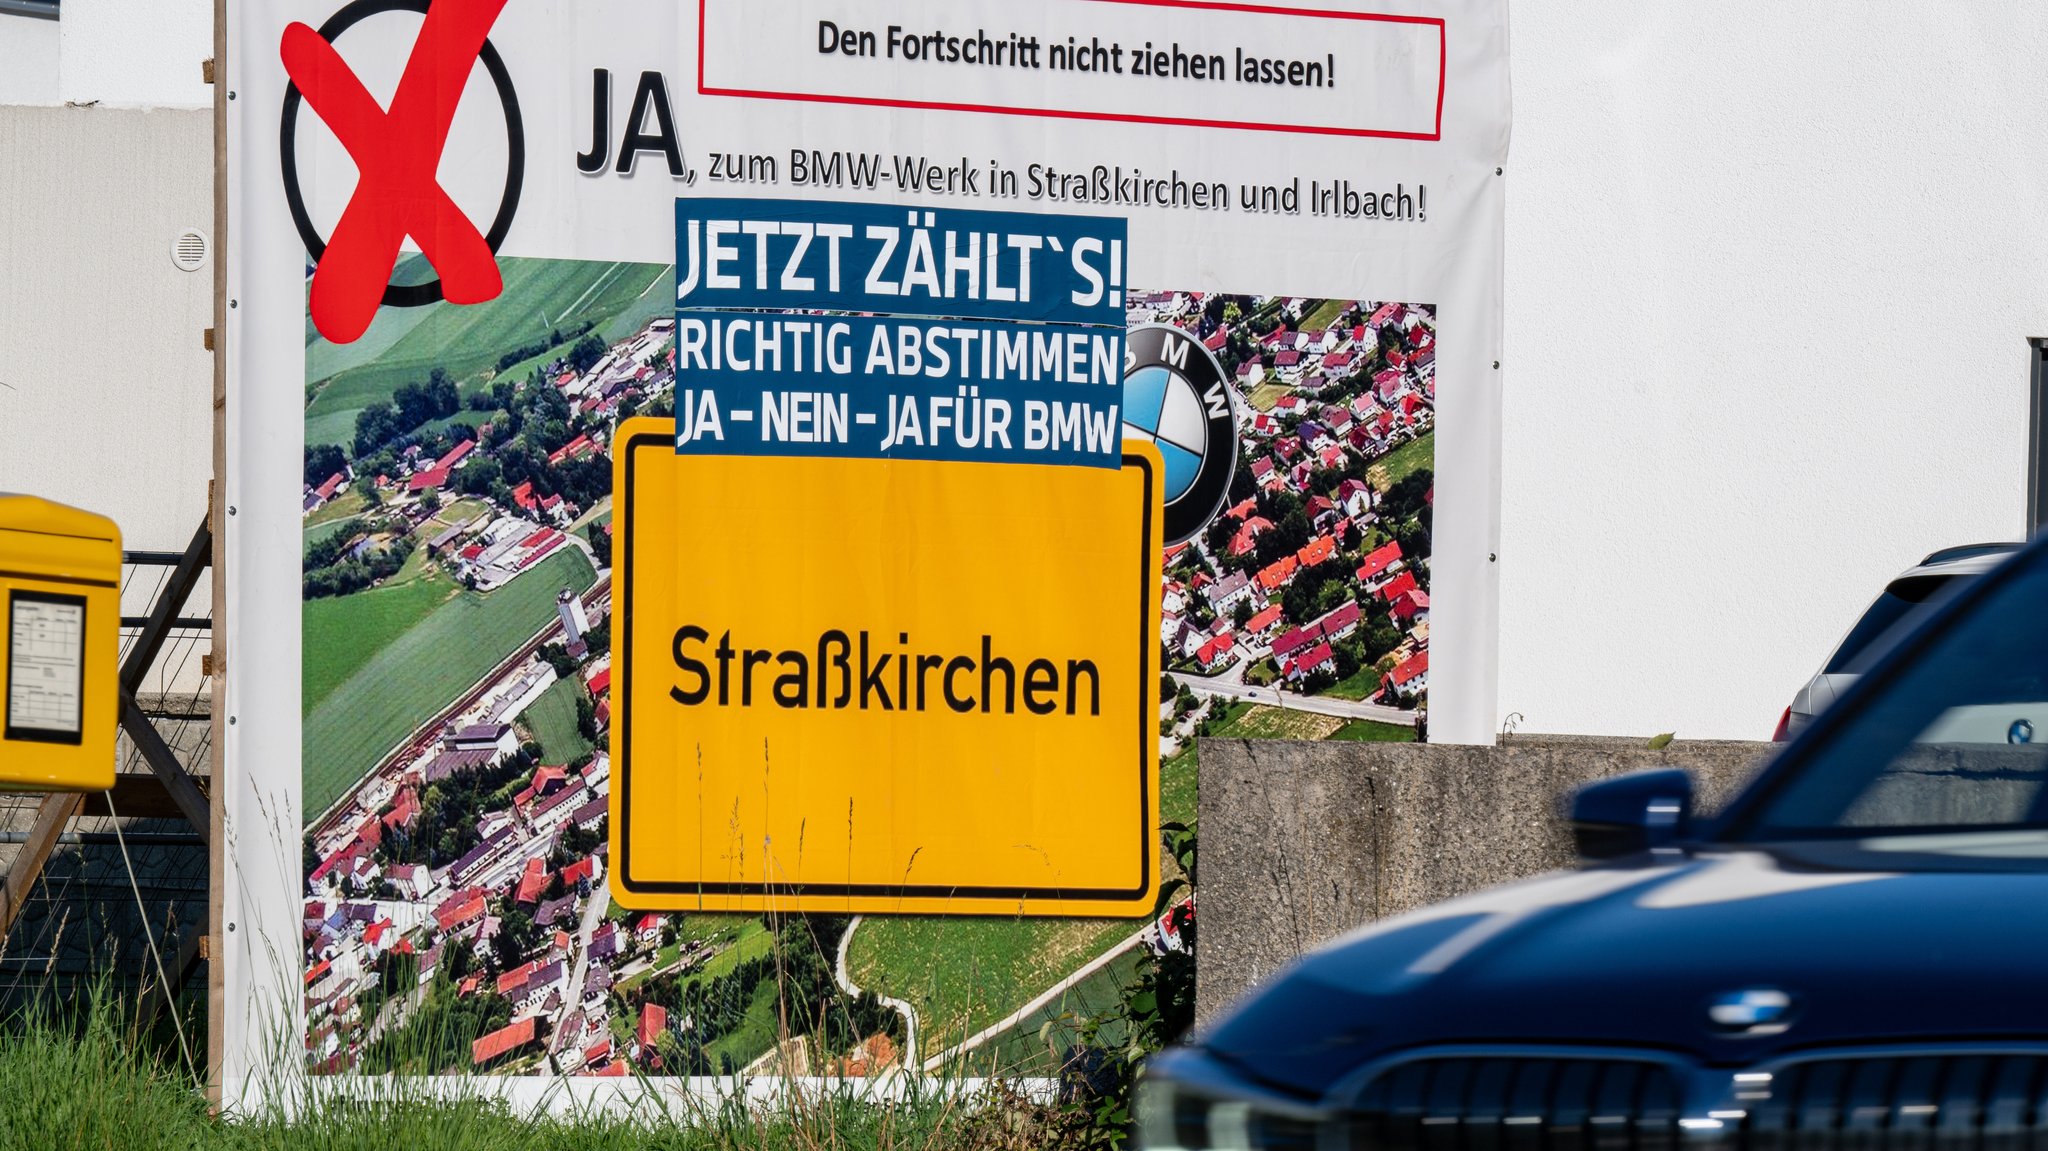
(523, 496)
(647, 931)
(405, 811)
(1379, 562)
(457, 456)
(1264, 623)
(1410, 606)
(513, 983)
(1251, 373)
(460, 910)
(1248, 534)
(599, 682)
(430, 480)
(1319, 550)
(1217, 340)
(1293, 641)
(585, 869)
(1239, 511)
(1409, 677)
(332, 485)
(1277, 574)
(1341, 621)
(1216, 653)
(1317, 658)
(506, 1040)
(532, 882)
(653, 1021)
(1392, 589)
(1354, 497)
(573, 450)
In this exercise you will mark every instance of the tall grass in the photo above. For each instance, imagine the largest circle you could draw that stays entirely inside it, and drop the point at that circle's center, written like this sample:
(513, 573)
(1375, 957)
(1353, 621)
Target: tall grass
(81, 1076)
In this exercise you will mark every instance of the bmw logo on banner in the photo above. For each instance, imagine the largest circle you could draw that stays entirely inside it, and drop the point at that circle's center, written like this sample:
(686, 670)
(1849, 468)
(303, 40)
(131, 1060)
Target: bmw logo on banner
(1176, 395)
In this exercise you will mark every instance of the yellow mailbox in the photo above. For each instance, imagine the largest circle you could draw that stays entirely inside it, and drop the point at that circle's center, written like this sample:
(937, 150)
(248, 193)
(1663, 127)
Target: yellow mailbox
(60, 590)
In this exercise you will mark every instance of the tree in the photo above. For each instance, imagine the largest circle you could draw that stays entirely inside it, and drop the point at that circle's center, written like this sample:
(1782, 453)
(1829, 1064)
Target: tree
(430, 500)
(322, 461)
(588, 351)
(1242, 613)
(556, 656)
(586, 717)
(600, 544)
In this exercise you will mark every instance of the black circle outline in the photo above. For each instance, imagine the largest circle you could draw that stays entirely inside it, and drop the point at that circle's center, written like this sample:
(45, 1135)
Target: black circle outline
(1182, 522)
(408, 295)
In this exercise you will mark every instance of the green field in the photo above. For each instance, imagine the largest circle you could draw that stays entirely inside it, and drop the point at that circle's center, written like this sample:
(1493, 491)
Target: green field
(552, 721)
(1409, 458)
(342, 633)
(1372, 731)
(1023, 1050)
(1360, 684)
(349, 503)
(315, 532)
(1324, 315)
(962, 974)
(1263, 397)
(657, 300)
(392, 684)
(540, 296)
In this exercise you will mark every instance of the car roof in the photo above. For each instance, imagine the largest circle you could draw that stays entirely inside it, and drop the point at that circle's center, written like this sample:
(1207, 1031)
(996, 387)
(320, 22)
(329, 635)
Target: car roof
(1966, 559)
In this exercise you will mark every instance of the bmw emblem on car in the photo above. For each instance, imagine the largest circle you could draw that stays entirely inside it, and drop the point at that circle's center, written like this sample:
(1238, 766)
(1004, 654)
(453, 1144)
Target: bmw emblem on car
(1753, 1011)
(2021, 731)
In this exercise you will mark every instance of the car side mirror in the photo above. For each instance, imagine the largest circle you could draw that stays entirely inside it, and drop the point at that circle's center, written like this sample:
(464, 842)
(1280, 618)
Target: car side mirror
(1631, 814)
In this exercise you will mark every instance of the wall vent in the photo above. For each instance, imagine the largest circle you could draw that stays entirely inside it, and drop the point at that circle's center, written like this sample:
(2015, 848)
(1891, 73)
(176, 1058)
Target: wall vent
(190, 249)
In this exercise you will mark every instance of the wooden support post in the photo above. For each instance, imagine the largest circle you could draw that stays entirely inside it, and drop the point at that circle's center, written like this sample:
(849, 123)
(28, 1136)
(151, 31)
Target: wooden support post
(52, 815)
(216, 512)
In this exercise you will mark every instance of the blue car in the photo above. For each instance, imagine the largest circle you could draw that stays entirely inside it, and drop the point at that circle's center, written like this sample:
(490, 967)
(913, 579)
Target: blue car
(1852, 956)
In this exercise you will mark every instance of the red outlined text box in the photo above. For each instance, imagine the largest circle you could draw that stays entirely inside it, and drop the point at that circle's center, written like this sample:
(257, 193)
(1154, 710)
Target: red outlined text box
(1428, 125)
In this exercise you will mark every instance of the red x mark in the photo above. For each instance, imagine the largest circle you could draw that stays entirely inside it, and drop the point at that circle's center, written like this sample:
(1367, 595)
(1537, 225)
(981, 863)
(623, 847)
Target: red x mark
(396, 154)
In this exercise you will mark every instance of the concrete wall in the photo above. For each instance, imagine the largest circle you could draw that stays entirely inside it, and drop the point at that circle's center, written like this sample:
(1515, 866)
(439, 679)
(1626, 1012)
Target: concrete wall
(1771, 269)
(1301, 842)
(107, 403)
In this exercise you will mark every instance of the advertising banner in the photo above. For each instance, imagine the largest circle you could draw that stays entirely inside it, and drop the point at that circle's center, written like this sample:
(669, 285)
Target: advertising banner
(736, 505)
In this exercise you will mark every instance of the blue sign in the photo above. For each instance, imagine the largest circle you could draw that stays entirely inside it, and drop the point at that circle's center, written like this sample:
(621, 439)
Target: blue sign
(899, 260)
(807, 384)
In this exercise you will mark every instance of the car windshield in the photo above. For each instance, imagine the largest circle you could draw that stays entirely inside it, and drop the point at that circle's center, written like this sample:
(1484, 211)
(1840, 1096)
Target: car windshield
(1955, 742)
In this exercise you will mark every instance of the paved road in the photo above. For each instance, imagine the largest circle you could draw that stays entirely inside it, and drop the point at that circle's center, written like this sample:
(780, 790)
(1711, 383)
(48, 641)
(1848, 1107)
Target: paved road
(594, 907)
(1313, 704)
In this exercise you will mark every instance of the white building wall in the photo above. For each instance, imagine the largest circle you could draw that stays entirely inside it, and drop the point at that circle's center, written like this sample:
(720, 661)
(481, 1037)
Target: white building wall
(108, 396)
(29, 47)
(123, 53)
(108, 403)
(1771, 270)
(137, 52)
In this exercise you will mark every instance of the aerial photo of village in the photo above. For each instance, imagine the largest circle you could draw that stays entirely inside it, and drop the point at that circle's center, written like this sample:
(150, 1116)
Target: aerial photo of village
(456, 693)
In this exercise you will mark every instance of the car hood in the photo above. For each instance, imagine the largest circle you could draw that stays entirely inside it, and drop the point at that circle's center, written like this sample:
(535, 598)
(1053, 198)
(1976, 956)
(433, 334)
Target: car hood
(1633, 956)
